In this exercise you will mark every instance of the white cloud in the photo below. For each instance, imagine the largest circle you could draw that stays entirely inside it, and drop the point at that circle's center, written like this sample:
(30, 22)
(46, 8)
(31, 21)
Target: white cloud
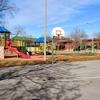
(31, 12)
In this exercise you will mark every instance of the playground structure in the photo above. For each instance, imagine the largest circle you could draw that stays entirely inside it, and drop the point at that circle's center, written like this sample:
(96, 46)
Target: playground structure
(5, 44)
(38, 46)
(8, 43)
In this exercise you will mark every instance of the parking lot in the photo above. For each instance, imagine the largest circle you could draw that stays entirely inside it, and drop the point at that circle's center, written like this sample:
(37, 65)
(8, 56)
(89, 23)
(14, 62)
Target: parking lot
(61, 81)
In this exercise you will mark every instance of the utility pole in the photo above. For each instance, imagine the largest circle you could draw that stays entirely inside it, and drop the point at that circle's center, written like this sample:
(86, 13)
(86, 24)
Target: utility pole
(92, 45)
(52, 50)
(45, 27)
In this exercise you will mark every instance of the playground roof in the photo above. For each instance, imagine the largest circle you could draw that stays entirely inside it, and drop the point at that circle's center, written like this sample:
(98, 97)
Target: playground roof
(4, 30)
(20, 38)
(40, 40)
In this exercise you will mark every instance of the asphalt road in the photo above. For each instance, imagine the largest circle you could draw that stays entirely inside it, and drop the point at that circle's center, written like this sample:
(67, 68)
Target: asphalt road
(61, 81)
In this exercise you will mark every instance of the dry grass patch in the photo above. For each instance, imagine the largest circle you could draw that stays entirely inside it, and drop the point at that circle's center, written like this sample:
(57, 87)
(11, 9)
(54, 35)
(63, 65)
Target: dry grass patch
(77, 57)
(6, 63)
(56, 58)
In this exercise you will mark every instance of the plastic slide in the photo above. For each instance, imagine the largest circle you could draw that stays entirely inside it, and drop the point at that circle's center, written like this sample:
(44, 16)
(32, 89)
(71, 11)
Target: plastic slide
(8, 42)
(18, 52)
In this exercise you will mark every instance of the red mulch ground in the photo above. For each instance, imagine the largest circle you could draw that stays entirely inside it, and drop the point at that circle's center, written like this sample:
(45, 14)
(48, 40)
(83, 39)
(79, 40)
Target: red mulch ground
(32, 58)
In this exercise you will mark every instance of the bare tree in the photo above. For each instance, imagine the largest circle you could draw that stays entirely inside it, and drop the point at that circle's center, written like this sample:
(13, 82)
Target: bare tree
(97, 35)
(5, 6)
(77, 34)
(19, 30)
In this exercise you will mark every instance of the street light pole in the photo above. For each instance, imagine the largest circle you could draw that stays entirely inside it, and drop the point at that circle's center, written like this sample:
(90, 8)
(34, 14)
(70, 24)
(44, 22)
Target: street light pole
(45, 27)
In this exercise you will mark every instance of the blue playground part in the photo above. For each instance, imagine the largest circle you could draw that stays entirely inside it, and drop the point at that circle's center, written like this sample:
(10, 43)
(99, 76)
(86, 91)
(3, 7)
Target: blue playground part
(40, 40)
(4, 30)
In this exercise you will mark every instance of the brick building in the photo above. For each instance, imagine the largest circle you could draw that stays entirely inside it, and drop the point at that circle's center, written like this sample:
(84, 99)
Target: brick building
(64, 44)
(94, 41)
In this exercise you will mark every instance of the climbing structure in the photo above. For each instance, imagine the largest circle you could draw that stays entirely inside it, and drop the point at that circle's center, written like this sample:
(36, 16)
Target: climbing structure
(6, 42)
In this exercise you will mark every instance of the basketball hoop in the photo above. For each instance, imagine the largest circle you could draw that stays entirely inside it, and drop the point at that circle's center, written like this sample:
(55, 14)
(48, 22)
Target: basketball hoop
(58, 32)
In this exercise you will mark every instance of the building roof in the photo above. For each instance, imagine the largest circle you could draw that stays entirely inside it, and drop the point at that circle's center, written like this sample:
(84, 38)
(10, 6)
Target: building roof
(90, 39)
(40, 40)
(64, 40)
(4, 30)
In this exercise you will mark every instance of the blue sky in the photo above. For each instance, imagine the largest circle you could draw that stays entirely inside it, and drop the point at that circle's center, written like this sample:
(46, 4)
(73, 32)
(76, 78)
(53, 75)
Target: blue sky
(67, 14)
